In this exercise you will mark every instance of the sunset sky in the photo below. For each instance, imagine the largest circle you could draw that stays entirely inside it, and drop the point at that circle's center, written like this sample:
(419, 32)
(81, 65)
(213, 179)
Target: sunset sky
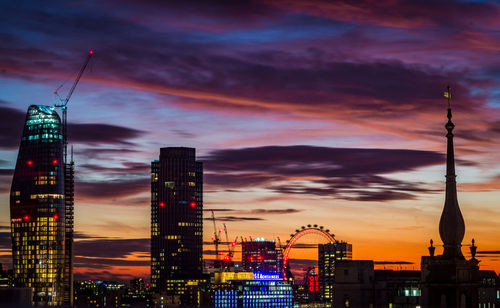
(303, 112)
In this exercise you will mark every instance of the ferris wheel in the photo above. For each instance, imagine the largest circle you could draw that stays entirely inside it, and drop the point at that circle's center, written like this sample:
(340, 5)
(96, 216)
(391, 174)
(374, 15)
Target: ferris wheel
(303, 231)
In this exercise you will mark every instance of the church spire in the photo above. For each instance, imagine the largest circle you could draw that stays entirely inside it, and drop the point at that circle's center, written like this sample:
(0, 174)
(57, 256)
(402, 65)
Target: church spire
(451, 225)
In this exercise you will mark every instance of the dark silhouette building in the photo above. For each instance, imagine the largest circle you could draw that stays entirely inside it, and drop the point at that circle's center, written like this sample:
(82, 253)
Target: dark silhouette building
(176, 219)
(328, 254)
(41, 207)
(358, 284)
(449, 280)
(260, 255)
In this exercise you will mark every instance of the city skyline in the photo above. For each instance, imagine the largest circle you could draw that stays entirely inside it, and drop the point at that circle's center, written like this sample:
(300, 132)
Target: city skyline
(300, 117)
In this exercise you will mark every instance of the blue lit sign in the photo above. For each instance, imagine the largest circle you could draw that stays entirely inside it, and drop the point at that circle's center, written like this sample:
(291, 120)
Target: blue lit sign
(266, 276)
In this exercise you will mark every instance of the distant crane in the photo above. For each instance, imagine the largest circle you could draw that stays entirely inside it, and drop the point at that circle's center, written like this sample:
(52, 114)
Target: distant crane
(63, 103)
(230, 248)
(216, 239)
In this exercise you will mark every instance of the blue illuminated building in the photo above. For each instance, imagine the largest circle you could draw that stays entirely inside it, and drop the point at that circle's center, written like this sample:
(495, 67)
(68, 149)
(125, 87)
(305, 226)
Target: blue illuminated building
(265, 290)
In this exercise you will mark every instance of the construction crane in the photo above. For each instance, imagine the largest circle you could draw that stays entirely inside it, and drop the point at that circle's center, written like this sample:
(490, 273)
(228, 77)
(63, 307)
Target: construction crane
(216, 239)
(63, 104)
(229, 250)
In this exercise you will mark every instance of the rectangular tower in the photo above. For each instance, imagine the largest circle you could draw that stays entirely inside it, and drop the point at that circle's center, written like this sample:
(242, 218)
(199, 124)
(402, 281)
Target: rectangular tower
(260, 255)
(328, 254)
(176, 218)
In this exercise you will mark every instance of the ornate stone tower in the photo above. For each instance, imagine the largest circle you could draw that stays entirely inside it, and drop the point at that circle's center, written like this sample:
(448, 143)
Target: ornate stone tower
(449, 280)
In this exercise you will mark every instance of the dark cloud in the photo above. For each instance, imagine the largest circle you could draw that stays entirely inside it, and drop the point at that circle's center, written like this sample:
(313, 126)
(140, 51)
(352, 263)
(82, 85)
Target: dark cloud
(345, 173)
(7, 172)
(11, 126)
(218, 210)
(488, 253)
(274, 211)
(108, 263)
(305, 246)
(127, 167)
(100, 153)
(409, 14)
(111, 248)
(83, 236)
(111, 188)
(235, 218)
(96, 133)
(392, 262)
(271, 79)
(5, 180)
(5, 240)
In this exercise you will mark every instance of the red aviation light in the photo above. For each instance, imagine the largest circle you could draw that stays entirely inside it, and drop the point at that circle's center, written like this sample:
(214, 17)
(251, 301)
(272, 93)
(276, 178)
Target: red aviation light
(29, 162)
(233, 243)
(91, 52)
(162, 204)
(251, 258)
(56, 217)
(261, 258)
(226, 258)
(192, 204)
(55, 161)
(26, 218)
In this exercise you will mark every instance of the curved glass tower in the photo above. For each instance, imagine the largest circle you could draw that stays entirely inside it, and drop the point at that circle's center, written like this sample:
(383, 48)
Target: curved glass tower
(37, 208)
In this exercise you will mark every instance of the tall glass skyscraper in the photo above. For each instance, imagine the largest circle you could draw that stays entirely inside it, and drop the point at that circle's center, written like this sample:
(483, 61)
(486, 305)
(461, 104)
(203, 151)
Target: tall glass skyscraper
(40, 228)
(176, 218)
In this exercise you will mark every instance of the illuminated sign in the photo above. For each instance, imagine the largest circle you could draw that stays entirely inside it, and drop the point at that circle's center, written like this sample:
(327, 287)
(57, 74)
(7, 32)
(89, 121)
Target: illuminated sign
(266, 276)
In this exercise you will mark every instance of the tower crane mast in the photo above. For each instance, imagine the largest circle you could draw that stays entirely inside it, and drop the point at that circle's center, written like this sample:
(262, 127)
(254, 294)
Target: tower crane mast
(63, 102)
(216, 240)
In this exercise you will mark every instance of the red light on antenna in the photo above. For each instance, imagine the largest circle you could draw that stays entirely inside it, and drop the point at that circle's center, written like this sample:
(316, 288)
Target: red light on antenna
(162, 204)
(226, 258)
(260, 258)
(91, 52)
(233, 243)
(26, 218)
(192, 204)
(251, 258)
(56, 217)
(30, 162)
(55, 162)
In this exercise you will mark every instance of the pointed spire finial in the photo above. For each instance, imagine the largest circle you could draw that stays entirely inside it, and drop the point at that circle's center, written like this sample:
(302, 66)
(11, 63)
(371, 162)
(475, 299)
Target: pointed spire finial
(473, 249)
(451, 225)
(432, 249)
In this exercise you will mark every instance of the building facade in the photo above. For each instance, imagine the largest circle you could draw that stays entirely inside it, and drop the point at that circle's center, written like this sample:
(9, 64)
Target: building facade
(41, 234)
(246, 289)
(260, 255)
(176, 219)
(328, 254)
